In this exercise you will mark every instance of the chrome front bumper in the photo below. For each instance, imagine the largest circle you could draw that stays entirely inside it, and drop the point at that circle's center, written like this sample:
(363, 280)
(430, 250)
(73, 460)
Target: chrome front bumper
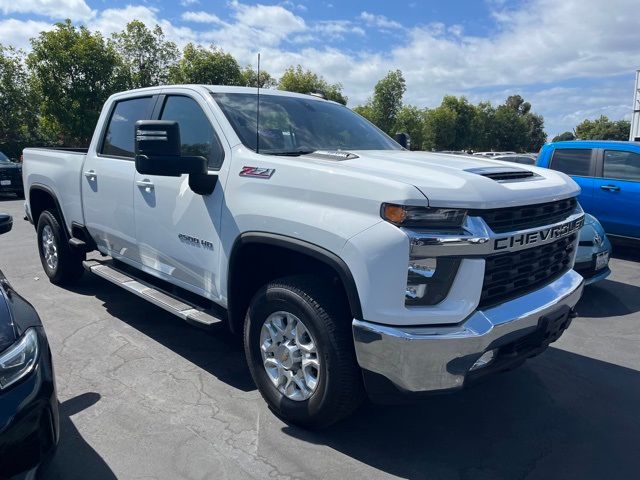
(428, 358)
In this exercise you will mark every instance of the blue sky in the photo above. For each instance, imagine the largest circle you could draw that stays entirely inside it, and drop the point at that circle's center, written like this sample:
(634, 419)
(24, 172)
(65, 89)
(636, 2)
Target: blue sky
(572, 59)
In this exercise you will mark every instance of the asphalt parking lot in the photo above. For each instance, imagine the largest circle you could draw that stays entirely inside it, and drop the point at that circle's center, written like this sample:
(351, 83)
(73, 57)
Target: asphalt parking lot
(144, 395)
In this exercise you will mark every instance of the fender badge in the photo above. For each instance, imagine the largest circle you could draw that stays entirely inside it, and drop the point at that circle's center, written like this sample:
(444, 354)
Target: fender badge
(257, 172)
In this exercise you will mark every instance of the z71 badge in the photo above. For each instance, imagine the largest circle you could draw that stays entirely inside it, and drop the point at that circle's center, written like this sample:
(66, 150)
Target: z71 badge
(257, 172)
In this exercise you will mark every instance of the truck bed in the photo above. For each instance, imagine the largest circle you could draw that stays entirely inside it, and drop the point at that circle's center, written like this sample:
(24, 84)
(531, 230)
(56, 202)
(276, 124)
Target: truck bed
(58, 170)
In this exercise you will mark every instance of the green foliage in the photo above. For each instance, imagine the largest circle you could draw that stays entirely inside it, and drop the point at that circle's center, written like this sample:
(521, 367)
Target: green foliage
(296, 79)
(387, 100)
(411, 120)
(563, 137)
(208, 66)
(146, 56)
(250, 78)
(18, 124)
(603, 129)
(73, 72)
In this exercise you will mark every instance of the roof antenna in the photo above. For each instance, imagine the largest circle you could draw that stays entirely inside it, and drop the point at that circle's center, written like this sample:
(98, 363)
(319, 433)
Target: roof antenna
(258, 111)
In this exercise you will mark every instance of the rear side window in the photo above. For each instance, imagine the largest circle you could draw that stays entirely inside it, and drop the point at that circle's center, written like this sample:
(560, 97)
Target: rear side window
(196, 133)
(621, 165)
(572, 161)
(119, 137)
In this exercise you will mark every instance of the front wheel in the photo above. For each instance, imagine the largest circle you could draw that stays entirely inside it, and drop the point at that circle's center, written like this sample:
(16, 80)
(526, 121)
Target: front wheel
(300, 352)
(61, 263)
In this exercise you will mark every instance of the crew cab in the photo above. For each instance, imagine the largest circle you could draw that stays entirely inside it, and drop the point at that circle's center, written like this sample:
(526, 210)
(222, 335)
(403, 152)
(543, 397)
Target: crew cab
(608, 173)
(347, 263)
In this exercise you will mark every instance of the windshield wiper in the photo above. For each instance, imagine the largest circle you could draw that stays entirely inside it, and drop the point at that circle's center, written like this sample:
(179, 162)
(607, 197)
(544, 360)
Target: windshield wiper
(288, 153)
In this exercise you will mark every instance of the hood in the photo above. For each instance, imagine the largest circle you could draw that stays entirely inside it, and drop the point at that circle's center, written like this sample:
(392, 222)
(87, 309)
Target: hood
(10, 166)
(464, 181)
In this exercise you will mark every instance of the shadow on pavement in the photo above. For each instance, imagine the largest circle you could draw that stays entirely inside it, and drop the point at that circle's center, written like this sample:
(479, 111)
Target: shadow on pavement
(75, 458)
(609, 298)
(216, 350)
(561, 416)
(626, 249)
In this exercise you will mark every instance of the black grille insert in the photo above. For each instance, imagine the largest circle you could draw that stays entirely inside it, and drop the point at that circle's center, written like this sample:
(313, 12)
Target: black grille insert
(510, 275)
(510, 219)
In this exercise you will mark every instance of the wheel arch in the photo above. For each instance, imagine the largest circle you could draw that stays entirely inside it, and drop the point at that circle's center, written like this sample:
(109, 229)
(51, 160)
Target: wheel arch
(40, 198)
(263, 251)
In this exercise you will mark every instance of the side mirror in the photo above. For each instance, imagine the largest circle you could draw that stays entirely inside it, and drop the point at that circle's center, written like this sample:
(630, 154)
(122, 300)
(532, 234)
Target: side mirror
(6, 223)
(158, 150)
(403, 139)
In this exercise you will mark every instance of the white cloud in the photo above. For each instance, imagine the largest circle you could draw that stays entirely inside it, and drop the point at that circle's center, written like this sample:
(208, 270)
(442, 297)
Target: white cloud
(379, 21)
(336, 29)
(201, 17)
(540, 49)
(187, 3)
(58, 9)
(17, 33)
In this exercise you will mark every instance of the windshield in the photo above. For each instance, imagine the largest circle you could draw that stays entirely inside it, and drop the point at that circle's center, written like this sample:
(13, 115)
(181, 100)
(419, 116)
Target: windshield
(298, 125)
(4, 158)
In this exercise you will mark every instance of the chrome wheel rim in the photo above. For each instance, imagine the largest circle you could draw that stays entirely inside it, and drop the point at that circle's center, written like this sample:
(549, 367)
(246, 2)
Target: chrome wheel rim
(49, 249)
(290, 355)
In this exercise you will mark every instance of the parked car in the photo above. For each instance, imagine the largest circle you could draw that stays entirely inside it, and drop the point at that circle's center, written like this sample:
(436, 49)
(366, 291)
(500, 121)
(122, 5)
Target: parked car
(492, 154)
(339, 255)
(29, 427)
(516, 158)
(10, 176)
(594, 250)
(608, 173)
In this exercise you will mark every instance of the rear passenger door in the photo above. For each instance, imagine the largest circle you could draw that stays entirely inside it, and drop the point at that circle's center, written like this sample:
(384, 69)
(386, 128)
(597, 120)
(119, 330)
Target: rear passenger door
(107, 179)
(580, 165)
(617, 191)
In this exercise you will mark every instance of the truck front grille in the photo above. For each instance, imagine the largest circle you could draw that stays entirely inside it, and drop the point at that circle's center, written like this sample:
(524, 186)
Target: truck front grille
(510, 219)
(513, 274)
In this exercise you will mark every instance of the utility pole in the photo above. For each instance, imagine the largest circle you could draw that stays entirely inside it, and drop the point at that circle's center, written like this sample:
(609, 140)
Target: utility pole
(635, 118)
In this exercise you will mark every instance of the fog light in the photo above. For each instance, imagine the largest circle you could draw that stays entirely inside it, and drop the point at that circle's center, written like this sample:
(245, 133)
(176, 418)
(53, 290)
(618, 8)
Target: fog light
(484, 360)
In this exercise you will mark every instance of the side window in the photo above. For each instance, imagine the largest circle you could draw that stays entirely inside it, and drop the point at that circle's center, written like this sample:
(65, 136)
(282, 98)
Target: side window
(572, 161)
(621, 165)
(119, 137)
(196, 133)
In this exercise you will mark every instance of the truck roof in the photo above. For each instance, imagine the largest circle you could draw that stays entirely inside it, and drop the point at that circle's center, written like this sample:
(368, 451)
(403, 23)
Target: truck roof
(226, 89)
(595, 143)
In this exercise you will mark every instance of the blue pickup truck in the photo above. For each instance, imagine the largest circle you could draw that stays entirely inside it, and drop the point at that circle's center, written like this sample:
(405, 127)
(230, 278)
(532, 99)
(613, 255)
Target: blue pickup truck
(608, 173)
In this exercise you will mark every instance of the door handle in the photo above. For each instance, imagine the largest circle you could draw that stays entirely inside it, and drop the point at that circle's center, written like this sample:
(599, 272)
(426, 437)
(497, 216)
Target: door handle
(91, 175)
(610, 188)
(146, 184)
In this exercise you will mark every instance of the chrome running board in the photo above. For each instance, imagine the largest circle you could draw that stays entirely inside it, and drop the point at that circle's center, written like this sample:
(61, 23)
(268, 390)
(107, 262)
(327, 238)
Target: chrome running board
(171, 303)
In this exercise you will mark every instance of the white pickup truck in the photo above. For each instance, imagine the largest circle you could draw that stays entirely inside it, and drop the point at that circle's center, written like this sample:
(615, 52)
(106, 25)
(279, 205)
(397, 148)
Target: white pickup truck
(348, 263)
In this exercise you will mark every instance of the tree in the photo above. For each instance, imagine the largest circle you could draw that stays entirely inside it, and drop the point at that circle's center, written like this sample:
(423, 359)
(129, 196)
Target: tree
(250, 78)
(206, 65)
(18, 124)
(146, 55)
(411, 120)
(387, 100)
(440, 129)
(73, 72)
(563, 137)
(483, 127)
(603, 129)
(296, 79)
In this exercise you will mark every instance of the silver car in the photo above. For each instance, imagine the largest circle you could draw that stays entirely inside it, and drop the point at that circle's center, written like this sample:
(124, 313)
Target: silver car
(594, 249)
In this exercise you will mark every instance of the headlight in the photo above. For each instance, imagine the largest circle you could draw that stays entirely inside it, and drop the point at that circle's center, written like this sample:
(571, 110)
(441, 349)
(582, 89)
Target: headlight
(423, 217)
(19, 359)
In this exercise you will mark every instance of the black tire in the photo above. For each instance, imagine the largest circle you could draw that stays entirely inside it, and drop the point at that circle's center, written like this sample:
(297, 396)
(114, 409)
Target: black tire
(325, 314)
(69, 261)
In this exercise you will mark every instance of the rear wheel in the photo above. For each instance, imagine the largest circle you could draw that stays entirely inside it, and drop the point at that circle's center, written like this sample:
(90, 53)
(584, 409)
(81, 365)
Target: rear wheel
(61, 263)
(299, 348)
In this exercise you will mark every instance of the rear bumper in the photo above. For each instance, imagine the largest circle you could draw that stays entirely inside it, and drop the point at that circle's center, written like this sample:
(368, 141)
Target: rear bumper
(433, 358)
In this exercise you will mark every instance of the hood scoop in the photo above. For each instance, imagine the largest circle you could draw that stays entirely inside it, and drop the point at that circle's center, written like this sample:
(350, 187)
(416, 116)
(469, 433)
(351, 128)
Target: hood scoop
(334, 155)
(505, 174)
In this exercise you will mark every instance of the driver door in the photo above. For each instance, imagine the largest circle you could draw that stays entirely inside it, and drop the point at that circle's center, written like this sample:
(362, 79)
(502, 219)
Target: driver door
(178, 230)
